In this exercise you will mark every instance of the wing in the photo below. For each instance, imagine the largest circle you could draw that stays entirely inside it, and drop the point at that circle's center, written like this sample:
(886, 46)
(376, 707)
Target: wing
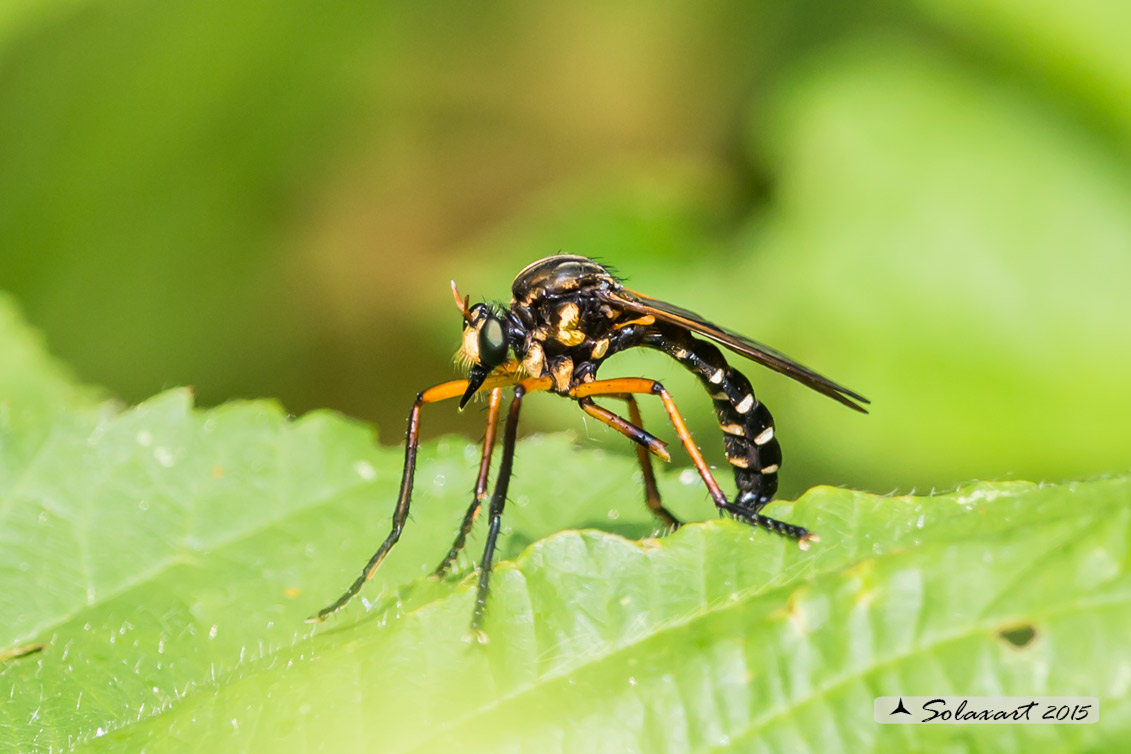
(779, 362)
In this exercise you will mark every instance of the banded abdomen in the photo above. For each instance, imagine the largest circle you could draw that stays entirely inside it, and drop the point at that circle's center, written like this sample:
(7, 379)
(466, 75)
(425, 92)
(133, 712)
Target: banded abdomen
(748, 429)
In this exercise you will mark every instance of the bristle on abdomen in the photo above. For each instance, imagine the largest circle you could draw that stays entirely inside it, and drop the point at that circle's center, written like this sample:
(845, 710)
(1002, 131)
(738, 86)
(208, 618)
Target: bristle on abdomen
(748, 429)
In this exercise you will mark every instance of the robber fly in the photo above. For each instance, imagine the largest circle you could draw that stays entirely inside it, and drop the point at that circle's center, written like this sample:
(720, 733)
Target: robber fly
(567, 315)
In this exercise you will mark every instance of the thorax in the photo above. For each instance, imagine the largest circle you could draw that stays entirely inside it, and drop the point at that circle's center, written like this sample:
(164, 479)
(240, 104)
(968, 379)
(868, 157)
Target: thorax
(569, 335)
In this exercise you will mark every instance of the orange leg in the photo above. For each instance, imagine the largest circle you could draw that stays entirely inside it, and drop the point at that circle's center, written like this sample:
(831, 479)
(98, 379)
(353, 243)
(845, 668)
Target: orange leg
(651, 387)
(645, 443)
(651, 489)
(640, 385)
(441, 392)
(633, 431)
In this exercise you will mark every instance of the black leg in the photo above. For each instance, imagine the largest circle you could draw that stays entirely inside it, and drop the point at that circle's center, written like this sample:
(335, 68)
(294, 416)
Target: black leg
(495, 514)
(800, 533)
(440, 392)
(400, 514)
(480, 485)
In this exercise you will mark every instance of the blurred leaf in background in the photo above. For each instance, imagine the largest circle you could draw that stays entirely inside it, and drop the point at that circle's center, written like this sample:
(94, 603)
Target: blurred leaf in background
(929, 202)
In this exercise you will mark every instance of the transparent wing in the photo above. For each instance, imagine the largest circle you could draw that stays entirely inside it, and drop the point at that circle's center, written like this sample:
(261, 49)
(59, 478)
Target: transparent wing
(740, 344)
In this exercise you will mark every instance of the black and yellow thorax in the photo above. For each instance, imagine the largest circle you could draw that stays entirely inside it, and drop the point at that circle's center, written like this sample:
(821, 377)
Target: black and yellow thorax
(567, 328)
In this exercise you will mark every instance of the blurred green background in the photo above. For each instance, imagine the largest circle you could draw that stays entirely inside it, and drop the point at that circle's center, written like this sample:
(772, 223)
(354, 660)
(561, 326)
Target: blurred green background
(929, 202)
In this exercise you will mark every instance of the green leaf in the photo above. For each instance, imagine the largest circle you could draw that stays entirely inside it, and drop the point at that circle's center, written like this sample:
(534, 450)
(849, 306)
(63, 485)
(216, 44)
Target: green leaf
(166, 557)
(35, 391)
(33, 386)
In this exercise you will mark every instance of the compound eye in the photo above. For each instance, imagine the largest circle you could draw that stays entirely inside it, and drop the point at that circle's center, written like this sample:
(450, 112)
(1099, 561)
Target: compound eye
(492, 343)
